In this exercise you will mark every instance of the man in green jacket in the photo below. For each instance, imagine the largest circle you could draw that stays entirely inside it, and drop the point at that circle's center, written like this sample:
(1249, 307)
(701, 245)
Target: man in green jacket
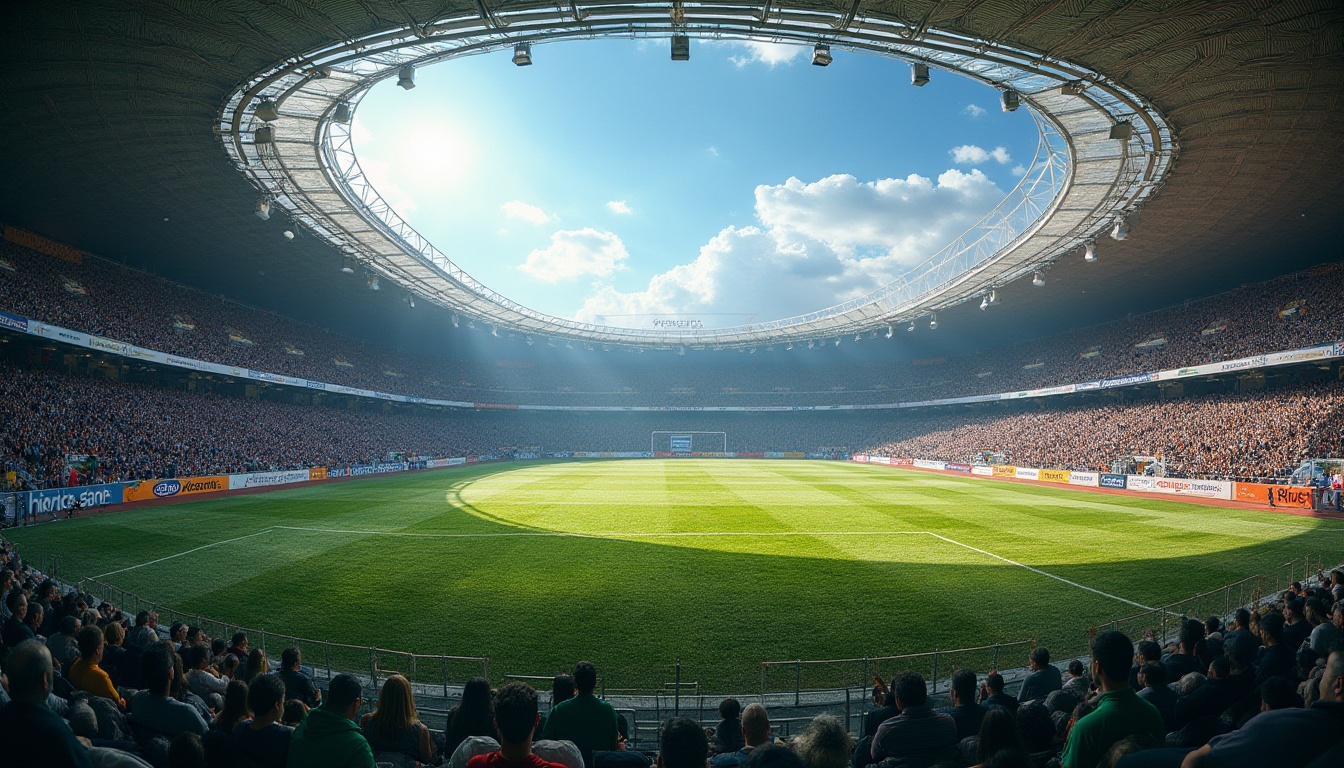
(1120, 713)
(329, 737)
(586, 720)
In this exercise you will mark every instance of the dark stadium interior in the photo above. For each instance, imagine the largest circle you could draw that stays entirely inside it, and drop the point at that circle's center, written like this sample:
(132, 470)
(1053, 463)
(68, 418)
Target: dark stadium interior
(106, 109)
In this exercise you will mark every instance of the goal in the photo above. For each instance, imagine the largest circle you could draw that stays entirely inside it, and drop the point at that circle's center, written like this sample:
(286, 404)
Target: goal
(687, 441)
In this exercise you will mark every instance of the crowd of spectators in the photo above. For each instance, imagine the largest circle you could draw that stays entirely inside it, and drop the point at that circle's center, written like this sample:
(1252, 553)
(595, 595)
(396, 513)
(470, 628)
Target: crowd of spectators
(1257, 688)
(107, 299)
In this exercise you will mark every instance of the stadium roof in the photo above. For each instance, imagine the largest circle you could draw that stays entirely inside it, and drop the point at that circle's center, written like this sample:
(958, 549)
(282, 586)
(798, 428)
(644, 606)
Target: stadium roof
(107, 110)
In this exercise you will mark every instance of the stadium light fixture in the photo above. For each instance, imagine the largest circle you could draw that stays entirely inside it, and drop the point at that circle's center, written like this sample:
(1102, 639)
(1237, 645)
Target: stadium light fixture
(528, 340)
(455, 320)
(858, 337)
(1073, 88)
(810, 344)
(821, 55)
(919, 74)
(790, 347)
(681, 48)
(569, 345)
(751, 351)
(406, 76)
(267, 111)
(1038, 279)
(264, 135)
(471, 325)
(837, 341)
(411, 300)
(911, 327)
(993, 296)
(984, 304)
(494, 331)
(288, 234)
(1090, 251)
(263, 209)
(348, 268)
(889, 331)
(933, 322)
(1120, 231)
(1010, 101)
(342, 113)
(522, 54)
(1122, 130)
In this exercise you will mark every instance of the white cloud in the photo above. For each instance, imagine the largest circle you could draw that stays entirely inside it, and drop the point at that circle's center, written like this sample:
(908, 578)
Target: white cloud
(970, 154)
(619, 206)
(576, 253)
(769, 54)
(1019, 170)
(974, 110)
(819, 244)
(517, 209)
(714, 151)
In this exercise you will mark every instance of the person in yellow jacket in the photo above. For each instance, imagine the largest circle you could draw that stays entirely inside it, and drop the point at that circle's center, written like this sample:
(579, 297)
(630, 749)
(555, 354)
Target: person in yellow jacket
(85, 674)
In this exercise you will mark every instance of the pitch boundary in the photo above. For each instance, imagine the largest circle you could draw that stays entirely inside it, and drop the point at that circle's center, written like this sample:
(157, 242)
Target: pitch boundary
(180, 554)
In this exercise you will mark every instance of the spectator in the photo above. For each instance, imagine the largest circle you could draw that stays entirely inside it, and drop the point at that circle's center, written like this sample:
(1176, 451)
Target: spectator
(235, 710)
(1296, 628)
(203, 679)
(586, 720)
(64, 649)
(31, 733)
(145, 631)
(263, 740)
(562, 689)
(918, 736)
(153, 707)
(1077, 681)
(1277, 658)
(394, 725)
(1153, 689)
(993, 695)
(294, 711)
(256, 666)
(1326, 630)
(1120, 712)
(85, 672)
(886, 709)
(297, 684)
(1043, 679)
(683, 742)
(727, 734)
(473, 716)
(755, 734)
(516, 720)
(824, 743)
(965, 712)
(186, 750)
(1185, 660)
(239, 646)
(328, 737)
(1147, 650)
(998, 732)
(115, 656)
(14, 631)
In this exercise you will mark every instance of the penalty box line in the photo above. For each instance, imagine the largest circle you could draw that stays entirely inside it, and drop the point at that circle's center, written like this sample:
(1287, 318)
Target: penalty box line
(707, 534)
(180, 554)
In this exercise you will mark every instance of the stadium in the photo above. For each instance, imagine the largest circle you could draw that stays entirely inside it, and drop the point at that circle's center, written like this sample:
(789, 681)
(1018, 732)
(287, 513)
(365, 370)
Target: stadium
(407, 356)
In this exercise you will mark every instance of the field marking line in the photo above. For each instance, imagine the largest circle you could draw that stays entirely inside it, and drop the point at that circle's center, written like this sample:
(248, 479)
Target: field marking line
(1038, 570)
(180, 554)
(598, 534)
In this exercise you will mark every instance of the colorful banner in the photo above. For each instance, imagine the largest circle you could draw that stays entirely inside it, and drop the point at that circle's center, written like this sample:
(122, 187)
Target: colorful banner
(1003, 470)
(54, 501)
(1209, 489)
(13, 322)
(953, 466)
(1297, 497)
(317, 473)
(1054, 475)
(145, 490)
(1112, 481)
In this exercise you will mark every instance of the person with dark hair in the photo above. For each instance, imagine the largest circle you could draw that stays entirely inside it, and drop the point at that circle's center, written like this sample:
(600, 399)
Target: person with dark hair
(1277, 658)
(993, 695)
(1077, 681)
(85, 673)
(473, 716)
(562, 689)
(177, 635)
(918, 734)
(965, 712)
(1043, 679)
(1120, 712)
(153, 707)
(1146, 651)
(515, 719)
(64, 649)
(727, 734)
(203, 680)
(186, 750)
(297, 684)
(263, 740)
(1324, 634)
(294, 712)
(235, 709)
(1186, 660)
(1153, 689)
(1296, 628)
(1278, 693)
(773, 756)
(755, 734)
(145, 632)
(682, 744)
(30, 733)
(998, 732)
(328, 737)
(1241, 628)
(586, 720)
(886, 709)
(394, 726)
(239, 645)
(255, 666)
(14, 630)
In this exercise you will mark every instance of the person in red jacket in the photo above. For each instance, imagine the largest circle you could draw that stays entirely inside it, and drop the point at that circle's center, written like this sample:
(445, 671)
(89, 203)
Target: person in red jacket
(515, 719)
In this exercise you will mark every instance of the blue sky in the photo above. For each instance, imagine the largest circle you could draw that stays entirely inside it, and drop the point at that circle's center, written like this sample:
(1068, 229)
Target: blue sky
(610, 184)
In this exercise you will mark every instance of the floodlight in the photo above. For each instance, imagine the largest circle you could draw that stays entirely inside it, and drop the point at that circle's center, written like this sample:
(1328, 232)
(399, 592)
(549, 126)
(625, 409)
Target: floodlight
(1010, 101)
(993, 296)
(263, 135)
(1090, 251)
(455, 320)
(569, 345)
(837, 341)
(494, 331)
(288, 234)
(342, 113)
(919, 74)
(751, 351)
(1120, 231)
(858, 336)
(912, 326)
(889, 331)
(522, 54)
(810, 344)
(266, 110)
(1038, 279)
(406, 76)
(411, 300)
(933, 322)
(790, 346)
(1122, 130)
(681, 48)
(347, 267)
(984, 304)
(821, 55)
(263, 209)
(1073, 88)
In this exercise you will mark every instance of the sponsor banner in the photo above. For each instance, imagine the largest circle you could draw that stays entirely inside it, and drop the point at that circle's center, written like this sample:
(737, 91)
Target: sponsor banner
(56, 500)
(957, 467)
(458, 461)
(774, 454)
(58, 333)
(750, 455)
(861, 458)
(886, 460)
(1003, 470)
(1140, 483)
(1026, 473)
(317, 473)
(1091, 479)
(263, 479)
(1111, 481)
(640, 455)
(526, 455)
(982, 470)
(1121, 381)
(477, 459)
(1209, 489)
(1053, 475)
(1087, 386)
(793, 455)
(926, 464)
(680, 443)
(1301, 355)
(163, 488)
(13, 322)
(902, 462)
(1274, 495)
(656, 455)
(378, 469)
(108, 345)
(570, 455)
(710, 455)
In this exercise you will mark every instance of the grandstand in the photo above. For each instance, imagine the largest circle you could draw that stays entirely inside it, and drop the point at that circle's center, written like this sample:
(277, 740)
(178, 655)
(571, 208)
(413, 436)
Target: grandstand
(1139, 443)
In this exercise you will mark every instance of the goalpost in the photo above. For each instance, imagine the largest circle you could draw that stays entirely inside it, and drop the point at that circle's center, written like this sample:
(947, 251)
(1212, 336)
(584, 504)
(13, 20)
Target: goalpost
(684, 441)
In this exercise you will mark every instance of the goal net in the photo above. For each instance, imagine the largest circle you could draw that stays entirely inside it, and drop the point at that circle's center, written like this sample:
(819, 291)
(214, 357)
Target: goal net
(688, 441)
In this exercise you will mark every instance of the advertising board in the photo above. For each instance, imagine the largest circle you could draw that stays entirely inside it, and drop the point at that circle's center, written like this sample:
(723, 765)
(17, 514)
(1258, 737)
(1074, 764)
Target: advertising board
(1054, 475)
(56, 500)
(1091, 479)
(1108, 480)
(982, 471)
(1298, 497)
(953, 466)
(1004, 470)
(164, 488)
(263, 479)
(926, 464)
(1027, 473)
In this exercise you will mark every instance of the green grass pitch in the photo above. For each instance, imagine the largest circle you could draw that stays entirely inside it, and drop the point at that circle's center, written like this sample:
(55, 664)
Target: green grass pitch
(636, 564)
